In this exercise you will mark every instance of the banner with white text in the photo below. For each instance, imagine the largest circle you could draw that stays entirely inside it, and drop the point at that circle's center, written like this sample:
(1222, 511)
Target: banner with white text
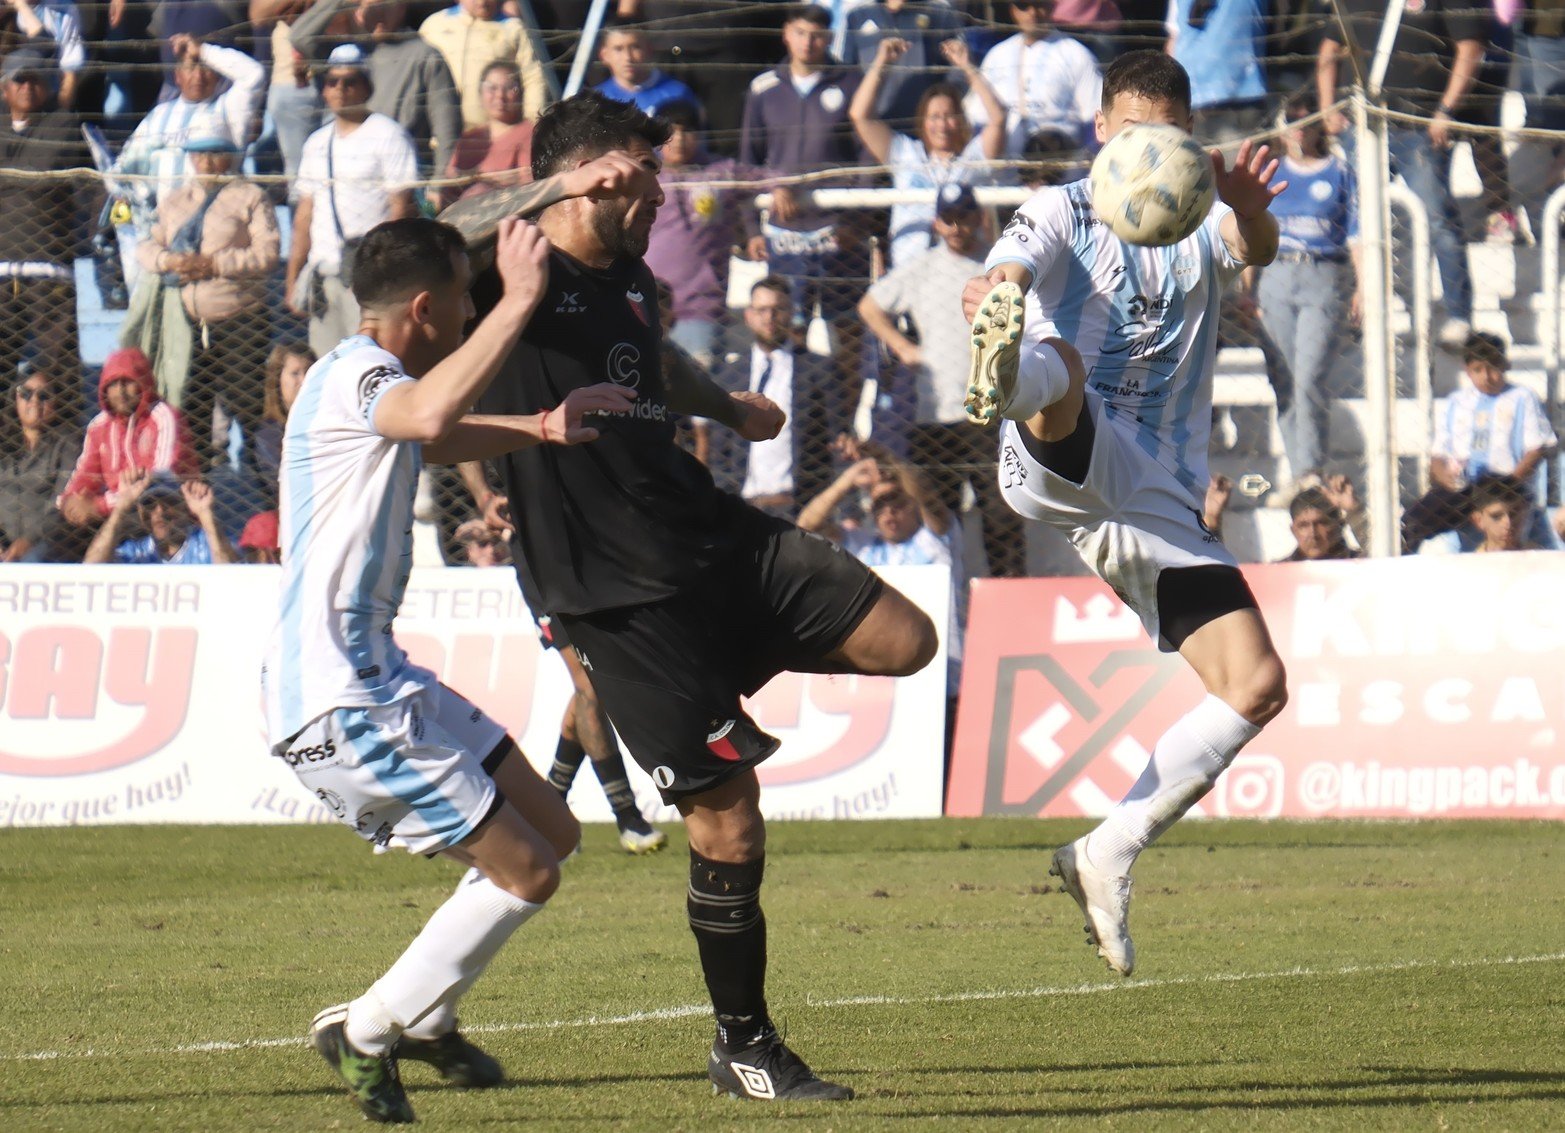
(1419, 687)
(131, 694)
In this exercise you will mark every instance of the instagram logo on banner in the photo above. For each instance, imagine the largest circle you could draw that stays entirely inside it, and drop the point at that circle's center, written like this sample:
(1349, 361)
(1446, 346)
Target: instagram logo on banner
(1252, 787)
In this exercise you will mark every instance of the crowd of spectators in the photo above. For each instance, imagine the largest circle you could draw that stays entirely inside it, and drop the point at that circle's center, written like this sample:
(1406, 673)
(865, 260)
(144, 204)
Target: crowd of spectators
(242, 155)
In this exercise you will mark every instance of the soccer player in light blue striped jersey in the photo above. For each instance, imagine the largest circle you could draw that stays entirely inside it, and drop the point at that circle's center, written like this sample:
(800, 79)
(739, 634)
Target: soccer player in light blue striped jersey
(1104, 401)
(392, 752)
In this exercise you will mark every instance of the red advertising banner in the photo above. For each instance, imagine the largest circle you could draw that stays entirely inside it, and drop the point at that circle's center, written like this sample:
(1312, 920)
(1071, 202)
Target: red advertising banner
(1419, 687)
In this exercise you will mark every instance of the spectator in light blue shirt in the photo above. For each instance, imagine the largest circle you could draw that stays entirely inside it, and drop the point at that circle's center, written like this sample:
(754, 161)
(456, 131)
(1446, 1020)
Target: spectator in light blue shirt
(1309, 292)
(1221, 43)
(632, 79)
(177, 523)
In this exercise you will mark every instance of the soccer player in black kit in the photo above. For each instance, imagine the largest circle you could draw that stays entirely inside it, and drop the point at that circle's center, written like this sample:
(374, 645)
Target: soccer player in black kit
(678, 598)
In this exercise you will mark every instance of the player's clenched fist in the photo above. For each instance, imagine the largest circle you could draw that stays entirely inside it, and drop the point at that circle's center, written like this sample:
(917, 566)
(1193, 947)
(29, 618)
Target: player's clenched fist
(615, 174)
(522, 259)
(562, 424)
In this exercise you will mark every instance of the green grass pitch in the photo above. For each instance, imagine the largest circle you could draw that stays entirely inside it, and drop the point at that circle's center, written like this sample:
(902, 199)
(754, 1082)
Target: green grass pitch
(1292, 976)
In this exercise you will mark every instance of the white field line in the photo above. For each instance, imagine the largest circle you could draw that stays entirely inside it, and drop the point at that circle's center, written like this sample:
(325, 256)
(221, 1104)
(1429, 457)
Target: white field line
(661, 1014)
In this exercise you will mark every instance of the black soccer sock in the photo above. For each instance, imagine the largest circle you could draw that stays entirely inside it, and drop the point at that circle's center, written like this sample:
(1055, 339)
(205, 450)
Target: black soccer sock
(724, 906)
(567, 761)
(610, 771)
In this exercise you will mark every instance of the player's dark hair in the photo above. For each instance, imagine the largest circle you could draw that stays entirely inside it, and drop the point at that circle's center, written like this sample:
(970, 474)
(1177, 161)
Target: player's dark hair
(1312, 499)
(508, 66)
(1489, 349)
(589, 125)
(1494, 488)
(623, 27)
(1149, 74)
(400, 258)
(809, 13)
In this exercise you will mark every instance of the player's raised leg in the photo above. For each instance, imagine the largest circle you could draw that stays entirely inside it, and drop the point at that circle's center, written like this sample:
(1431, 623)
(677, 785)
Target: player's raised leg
(1246, 688)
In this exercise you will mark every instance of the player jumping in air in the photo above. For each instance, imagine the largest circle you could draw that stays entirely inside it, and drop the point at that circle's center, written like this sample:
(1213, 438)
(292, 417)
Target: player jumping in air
(678, 598)
(392, 752)
(1105, 403)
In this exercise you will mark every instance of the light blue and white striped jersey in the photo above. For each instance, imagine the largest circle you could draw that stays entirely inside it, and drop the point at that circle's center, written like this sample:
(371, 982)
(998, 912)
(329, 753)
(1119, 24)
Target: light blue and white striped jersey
(345, 531)
(1144, 319)
(1490, 432)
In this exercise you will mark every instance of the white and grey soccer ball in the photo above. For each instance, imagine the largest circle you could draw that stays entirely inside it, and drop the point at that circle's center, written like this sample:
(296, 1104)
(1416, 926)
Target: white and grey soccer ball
(1152, 184)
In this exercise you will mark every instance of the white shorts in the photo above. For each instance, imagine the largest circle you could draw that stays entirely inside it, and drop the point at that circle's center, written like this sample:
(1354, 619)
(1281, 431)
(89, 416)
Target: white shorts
(410, 773)
(1130, 520)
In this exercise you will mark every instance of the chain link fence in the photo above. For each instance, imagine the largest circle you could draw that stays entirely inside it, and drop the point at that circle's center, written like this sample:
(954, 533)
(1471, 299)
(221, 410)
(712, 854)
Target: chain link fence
(1347, 375)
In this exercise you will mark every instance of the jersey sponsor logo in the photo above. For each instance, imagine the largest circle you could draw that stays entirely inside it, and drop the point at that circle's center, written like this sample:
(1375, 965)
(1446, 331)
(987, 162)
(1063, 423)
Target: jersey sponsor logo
(333, 802)
(570, 303)
(1207, 534)
(318, 753)
(375, 379)
(1013, 472)
(623, 365)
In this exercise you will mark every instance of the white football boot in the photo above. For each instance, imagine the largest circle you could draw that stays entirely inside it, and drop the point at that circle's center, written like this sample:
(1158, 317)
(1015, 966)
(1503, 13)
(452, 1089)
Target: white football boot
(1105, 902)
(997, 338)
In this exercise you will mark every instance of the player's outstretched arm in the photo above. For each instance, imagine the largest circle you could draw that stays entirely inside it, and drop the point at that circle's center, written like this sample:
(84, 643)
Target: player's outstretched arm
(482, 436)
(1250, 231)
(615, 174)
(426, 410)
(691, 391)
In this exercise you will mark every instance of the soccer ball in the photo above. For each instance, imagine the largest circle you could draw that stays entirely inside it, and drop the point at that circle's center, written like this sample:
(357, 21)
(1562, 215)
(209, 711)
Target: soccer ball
(1152, 184)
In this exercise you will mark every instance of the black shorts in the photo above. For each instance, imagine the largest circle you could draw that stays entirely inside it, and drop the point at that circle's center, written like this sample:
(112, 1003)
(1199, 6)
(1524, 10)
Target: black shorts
(670, 673)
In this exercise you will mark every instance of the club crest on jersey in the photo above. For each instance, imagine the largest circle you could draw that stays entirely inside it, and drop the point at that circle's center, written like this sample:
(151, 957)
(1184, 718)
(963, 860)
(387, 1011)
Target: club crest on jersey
(1187, 272)
(638, 305)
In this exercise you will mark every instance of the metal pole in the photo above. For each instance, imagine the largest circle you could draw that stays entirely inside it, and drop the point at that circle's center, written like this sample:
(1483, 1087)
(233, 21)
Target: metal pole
(1399, 196)
(1553, 208)
(586, 47)
(1380, 471)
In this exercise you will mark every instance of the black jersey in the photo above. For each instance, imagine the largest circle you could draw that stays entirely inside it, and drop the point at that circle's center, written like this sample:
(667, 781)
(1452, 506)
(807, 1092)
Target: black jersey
(630, 517)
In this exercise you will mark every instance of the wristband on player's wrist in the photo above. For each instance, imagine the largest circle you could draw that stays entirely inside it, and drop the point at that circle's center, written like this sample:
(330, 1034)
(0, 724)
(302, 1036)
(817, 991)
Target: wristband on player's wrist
(543, 425)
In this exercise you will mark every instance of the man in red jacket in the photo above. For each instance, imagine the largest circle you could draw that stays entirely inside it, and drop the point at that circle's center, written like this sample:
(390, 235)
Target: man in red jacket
(137, 429)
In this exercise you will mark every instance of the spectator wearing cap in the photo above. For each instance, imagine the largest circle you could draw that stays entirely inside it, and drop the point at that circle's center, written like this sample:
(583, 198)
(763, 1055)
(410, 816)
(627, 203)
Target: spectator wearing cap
(40, 230)
(177, 520)
(409, 80)
(258, 540)
(356, 171)
(136, 431)
(155, 151)
(1043, 78)
(499, 152)
(54, 27)
(924, 28)
(472, 34)
(695, 231)
(942, 151)
(480, 545)
(213, 246)
(778, 474)
(925, 291)
(39, 443)
(1487, 426)
(624, 50)
(1309, 291)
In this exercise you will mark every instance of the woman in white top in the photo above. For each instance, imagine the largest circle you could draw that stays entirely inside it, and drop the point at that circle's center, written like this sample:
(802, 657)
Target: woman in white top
(944, 149)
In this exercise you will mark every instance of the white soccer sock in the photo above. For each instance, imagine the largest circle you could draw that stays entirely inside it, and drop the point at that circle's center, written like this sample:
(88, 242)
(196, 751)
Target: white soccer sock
(1042, 378)
(1185, 764)
(451, 952)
